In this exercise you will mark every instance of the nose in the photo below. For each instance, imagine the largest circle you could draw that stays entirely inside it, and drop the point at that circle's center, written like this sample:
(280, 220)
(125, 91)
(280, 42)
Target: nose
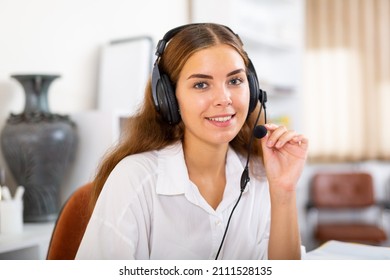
(223, 97)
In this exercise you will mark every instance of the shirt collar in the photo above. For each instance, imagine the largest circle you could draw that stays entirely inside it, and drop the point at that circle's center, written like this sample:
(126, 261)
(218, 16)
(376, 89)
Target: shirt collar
(173, 175)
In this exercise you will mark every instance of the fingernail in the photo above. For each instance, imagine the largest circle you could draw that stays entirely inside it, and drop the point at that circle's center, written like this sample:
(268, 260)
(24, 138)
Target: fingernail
(271, 125)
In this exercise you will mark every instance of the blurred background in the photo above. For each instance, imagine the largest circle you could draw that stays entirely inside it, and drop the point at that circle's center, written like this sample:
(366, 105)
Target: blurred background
(324, 63)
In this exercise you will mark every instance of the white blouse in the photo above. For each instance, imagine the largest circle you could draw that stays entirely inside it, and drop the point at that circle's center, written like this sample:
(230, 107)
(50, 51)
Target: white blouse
(149, 209)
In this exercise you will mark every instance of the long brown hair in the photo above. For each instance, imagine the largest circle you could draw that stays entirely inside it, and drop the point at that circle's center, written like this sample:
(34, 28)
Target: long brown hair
(146, 130)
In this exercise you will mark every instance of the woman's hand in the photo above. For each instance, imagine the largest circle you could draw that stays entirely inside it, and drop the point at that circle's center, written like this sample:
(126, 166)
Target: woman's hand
(284, 153)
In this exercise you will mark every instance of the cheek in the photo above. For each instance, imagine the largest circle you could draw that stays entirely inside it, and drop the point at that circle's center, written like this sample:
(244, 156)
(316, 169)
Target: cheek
(190, 112)
(192, 106)
(242, 101)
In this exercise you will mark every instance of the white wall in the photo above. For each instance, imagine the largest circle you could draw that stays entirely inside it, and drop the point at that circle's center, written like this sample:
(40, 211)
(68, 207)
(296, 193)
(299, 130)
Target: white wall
(65, 37)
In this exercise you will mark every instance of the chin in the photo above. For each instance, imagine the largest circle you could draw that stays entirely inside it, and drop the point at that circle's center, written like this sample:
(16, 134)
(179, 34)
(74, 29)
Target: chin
(226, 138)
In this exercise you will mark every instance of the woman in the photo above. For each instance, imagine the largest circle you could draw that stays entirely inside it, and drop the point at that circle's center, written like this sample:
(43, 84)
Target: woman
(168, 189)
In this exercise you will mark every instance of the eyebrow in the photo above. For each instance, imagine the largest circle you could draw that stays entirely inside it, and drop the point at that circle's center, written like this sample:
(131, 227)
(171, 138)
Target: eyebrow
(204, 76)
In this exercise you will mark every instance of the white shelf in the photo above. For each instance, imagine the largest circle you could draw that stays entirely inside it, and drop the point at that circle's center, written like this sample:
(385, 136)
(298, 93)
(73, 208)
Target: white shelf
(32, 243)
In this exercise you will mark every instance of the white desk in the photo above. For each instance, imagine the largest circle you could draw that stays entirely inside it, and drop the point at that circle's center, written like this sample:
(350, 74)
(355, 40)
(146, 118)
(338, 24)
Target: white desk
(337, 250)
(31, 244)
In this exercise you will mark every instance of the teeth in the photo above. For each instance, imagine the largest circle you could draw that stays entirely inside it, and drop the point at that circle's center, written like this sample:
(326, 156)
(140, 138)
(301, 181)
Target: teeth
(220, 119)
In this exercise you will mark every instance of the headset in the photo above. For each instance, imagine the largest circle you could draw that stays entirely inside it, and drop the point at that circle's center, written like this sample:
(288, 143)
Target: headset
(163, 90)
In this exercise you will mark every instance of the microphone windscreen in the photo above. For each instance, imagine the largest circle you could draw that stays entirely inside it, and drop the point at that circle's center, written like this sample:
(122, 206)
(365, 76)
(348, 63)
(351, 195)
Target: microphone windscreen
(260, 131)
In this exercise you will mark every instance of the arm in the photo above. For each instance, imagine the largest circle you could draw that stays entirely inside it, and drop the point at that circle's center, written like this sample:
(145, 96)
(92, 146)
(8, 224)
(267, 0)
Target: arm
(284, 155)
(284, 242)
(118, 225)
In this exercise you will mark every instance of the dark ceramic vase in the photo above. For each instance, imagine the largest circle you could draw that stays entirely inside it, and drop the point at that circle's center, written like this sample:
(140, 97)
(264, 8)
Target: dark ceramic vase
(38, 147)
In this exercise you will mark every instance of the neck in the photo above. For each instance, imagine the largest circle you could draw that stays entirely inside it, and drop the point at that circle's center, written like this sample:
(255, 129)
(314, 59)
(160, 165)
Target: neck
(206, 159)
(206, 169)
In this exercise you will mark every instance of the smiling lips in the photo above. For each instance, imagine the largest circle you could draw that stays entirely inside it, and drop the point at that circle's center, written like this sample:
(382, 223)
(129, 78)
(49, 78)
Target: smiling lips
(221, 119)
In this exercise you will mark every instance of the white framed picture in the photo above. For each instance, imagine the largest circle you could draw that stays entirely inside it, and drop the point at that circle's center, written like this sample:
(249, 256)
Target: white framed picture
(125, 66)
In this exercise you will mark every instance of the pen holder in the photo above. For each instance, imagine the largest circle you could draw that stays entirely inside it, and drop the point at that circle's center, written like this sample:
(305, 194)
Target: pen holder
(11, 216)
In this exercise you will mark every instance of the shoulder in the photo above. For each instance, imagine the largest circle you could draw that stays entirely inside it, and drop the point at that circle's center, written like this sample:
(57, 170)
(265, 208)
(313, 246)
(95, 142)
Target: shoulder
(138, 169)
(137, 164)
(135, 179)
(150, 160)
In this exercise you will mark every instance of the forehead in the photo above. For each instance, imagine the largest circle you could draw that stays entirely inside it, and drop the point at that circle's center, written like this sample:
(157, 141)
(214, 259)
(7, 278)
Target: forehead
(218, 56)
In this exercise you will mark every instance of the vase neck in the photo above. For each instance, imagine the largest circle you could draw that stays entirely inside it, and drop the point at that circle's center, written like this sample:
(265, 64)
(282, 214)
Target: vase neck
(36, 92)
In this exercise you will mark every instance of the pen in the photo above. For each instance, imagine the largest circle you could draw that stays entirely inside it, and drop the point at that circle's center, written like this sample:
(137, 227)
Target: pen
(19, 192)
(6, 195)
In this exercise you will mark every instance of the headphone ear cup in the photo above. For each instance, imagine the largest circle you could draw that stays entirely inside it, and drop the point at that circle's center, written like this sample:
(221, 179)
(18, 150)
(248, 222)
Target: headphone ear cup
(169, 108)
(254, 91)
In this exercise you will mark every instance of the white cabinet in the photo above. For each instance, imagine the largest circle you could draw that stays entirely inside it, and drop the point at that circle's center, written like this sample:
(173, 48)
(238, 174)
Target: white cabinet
(31, 244)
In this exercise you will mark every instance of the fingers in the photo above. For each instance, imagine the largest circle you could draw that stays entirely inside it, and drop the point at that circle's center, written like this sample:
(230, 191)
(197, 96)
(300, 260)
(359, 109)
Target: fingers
(279, 136)
(300, 140)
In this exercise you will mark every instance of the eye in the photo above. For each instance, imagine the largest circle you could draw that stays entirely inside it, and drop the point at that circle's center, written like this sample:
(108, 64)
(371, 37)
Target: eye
(200, 85)
(236, 81)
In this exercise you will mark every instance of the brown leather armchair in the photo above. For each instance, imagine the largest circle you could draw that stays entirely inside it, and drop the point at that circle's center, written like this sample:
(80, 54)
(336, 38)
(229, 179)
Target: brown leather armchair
(345, 194)
(70, 226)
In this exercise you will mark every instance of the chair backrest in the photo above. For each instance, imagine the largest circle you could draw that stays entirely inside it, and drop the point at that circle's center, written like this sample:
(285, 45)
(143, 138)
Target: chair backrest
(342, 190)
(71, 224)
